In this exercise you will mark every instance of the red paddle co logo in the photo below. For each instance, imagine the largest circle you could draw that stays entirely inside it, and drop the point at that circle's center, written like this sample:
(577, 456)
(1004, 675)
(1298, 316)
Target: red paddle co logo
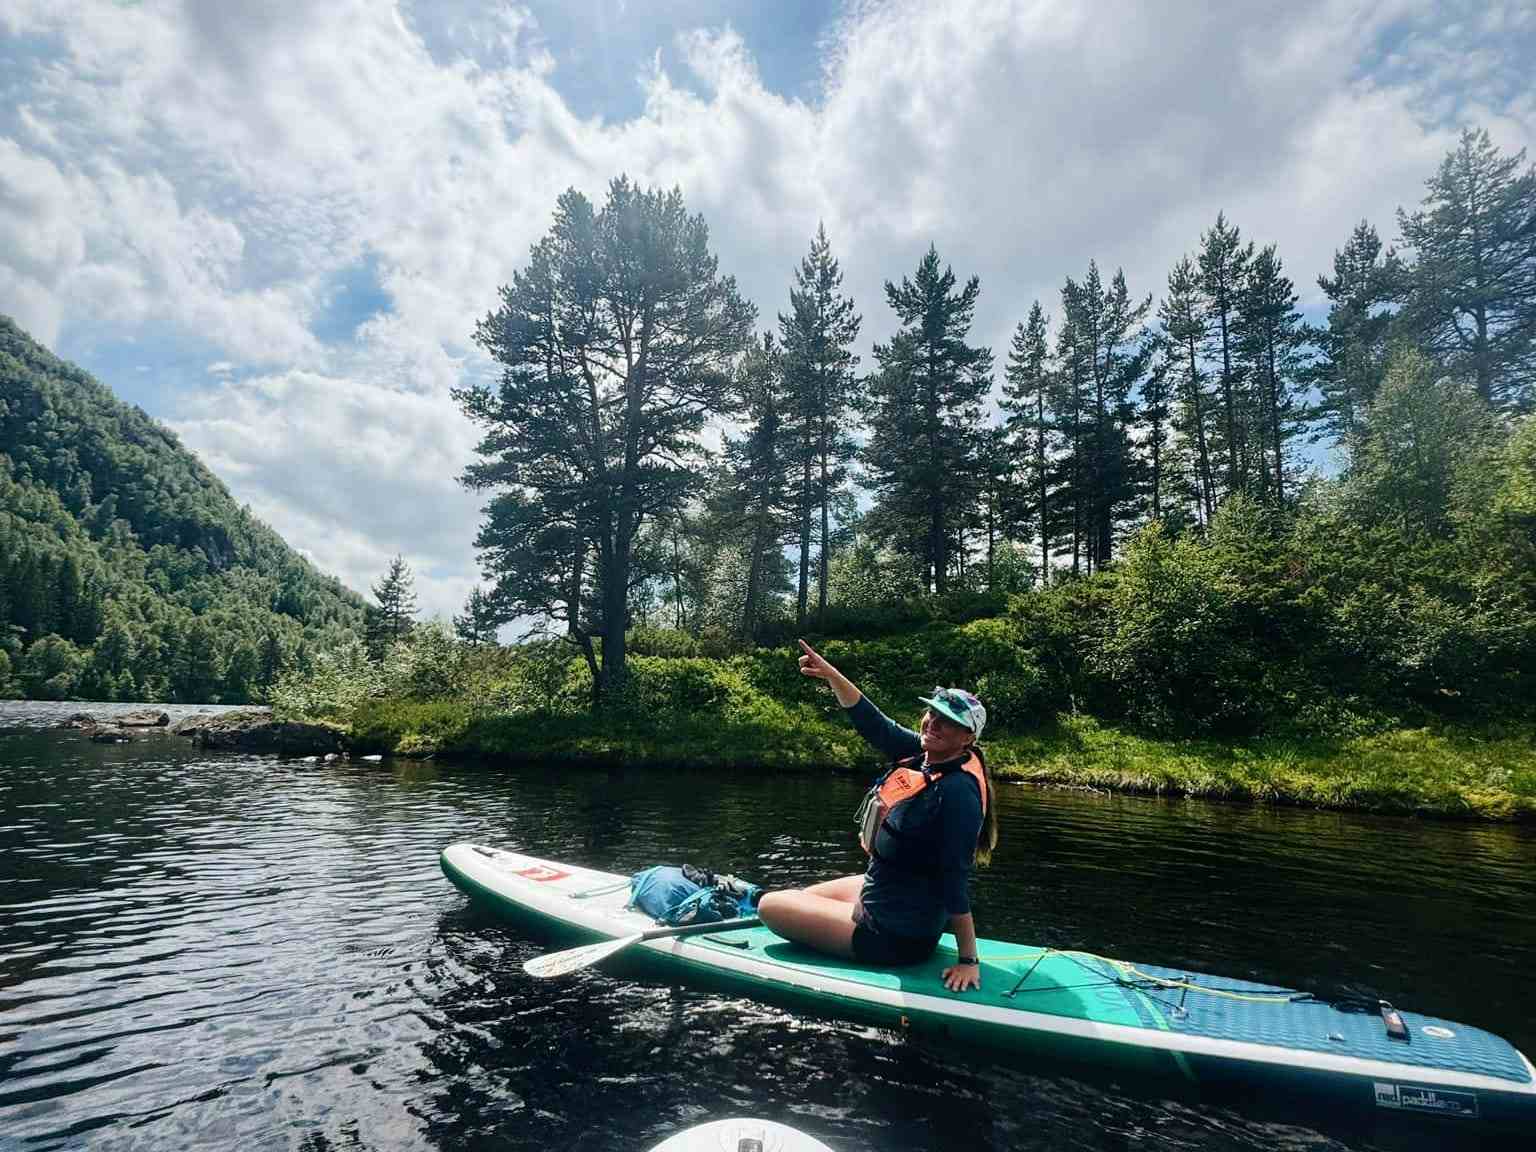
(541, 873)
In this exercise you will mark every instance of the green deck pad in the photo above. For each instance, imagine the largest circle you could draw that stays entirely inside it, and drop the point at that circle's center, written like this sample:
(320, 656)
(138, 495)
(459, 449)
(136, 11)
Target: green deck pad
(1318, 1027)
(1058, 986)
(1082, 986)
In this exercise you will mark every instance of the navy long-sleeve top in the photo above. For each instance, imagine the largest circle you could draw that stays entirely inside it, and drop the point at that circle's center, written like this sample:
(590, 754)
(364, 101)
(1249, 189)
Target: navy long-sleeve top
(918, 874)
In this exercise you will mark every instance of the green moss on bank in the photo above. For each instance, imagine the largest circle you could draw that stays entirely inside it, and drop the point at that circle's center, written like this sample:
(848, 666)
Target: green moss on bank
(1441, 771)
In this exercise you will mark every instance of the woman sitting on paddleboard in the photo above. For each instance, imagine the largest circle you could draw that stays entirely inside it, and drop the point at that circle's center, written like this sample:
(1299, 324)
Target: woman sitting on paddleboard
(933, 819)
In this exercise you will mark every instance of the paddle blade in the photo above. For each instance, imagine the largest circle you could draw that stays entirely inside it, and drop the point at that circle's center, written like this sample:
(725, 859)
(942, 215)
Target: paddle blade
(575, 959)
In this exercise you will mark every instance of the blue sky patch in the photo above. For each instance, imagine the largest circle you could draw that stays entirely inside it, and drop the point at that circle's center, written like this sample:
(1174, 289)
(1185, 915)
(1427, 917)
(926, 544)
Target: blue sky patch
(153, 369)
(351, 296)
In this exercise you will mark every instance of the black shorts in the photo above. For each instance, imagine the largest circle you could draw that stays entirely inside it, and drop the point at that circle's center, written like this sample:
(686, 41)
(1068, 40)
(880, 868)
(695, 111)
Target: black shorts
(885, 950)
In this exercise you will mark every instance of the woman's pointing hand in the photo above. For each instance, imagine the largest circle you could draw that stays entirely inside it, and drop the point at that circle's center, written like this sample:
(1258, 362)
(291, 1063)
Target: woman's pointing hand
(812, 663)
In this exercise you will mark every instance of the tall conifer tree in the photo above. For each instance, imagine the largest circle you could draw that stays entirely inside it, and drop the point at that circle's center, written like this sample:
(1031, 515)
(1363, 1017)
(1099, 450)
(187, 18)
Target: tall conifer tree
(1182, 316)
(925, 403)
(818, 362)
(759, 495)
(1272, 342)
(393, 617)
(1223, 264)
(1353, 347)
(616, 343)
(1026, 387)
(1470, 293)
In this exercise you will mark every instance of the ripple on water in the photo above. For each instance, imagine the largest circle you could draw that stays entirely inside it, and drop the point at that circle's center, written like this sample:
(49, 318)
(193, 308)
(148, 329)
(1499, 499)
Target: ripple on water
(228, 952)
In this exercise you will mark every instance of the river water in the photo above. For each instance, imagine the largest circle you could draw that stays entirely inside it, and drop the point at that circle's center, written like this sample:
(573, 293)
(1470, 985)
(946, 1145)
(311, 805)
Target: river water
(219, 951)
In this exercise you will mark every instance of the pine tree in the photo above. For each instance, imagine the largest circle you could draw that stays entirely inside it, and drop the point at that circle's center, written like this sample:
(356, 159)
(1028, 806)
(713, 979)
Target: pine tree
(1184, 327)
(1272, 341)
(818, 363)
(996, 501)
(1223, 264)
(1025, 388)
(1353, 347)
(1470, 293)
(759, 494)
(1111, 353)
(1157, 411)
(271, 661)
(1069, 397)
(396, 610)
(197, 663)
(478, 623)
(616, 343)
(925, 404)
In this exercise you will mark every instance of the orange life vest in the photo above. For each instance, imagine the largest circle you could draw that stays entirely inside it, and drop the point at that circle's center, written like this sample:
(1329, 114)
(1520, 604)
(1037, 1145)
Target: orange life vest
(902, 783)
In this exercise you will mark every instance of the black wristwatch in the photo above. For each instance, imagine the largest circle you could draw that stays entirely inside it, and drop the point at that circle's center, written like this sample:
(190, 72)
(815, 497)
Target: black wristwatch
(966, 960)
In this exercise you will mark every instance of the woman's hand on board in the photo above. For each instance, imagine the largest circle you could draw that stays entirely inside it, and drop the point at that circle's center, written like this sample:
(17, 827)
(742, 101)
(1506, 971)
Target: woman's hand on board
(961, 977)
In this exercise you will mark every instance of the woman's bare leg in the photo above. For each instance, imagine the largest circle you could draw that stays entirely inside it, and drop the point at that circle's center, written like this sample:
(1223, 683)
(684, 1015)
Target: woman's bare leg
(844, 888)
(820, 917)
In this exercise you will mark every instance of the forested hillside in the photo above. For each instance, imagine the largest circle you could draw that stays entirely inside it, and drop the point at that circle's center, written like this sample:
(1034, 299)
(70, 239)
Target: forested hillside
(127, 571)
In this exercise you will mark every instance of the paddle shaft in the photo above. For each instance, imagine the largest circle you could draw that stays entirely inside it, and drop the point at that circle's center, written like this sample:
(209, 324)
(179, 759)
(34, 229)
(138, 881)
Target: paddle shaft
(691, 929)
(575, 959)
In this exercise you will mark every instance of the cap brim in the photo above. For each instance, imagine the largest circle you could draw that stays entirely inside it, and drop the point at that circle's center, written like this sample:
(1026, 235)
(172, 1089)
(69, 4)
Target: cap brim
(948, 713)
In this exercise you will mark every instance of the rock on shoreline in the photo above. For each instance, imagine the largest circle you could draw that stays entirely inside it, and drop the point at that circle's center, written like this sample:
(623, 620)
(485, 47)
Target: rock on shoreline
(242, 731)
(260, 732)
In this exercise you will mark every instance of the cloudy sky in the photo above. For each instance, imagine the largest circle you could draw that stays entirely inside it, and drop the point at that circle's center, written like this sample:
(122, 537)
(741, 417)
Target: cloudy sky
(274, 225)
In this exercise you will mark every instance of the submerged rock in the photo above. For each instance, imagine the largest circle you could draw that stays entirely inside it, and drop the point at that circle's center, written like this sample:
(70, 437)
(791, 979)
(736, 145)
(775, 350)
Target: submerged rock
(110, 735)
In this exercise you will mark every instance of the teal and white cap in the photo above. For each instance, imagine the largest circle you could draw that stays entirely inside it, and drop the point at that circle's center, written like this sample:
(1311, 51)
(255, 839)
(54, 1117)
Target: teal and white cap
(960, 706)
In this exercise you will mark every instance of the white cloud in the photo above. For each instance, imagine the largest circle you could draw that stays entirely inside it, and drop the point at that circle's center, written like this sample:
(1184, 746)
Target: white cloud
(351, 472)
(211, 169)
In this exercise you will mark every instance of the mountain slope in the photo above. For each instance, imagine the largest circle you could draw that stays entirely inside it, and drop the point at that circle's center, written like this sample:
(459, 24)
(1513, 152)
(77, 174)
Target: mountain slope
(127, 570)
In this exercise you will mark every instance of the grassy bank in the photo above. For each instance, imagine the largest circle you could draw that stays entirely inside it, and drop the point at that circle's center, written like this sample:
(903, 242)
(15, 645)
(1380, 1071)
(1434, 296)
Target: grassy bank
(1437, 770)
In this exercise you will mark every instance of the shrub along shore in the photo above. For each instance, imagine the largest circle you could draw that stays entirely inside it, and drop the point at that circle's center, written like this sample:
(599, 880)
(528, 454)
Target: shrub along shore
(1289, 659)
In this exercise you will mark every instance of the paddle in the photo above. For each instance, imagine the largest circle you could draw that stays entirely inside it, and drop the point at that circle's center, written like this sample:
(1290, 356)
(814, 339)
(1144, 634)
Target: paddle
(575, 959)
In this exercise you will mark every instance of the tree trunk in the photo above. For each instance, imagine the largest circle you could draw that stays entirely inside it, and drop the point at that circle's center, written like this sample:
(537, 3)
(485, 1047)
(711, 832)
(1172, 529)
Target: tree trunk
(991, 539)
(1226, 397)
(573, 593)
(754, 575)
(1274, 421)
(805, 540)
(1479, 308)
(1045, 547)
(826, 532)
(1207, 486)
(1101, 529)
(938, 557)
(585, 642)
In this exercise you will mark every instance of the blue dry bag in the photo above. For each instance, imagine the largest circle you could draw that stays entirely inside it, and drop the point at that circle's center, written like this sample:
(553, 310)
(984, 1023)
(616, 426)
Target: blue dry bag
(656, 891)
(675, 895)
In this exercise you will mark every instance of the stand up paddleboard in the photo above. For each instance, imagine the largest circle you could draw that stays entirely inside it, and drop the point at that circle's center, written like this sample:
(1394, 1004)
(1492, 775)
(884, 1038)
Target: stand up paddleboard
(1274, 1045)
(741, 1136)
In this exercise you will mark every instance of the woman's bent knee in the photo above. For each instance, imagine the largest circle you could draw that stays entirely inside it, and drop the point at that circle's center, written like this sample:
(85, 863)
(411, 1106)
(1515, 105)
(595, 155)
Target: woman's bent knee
(804, 918)
(769, 905)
